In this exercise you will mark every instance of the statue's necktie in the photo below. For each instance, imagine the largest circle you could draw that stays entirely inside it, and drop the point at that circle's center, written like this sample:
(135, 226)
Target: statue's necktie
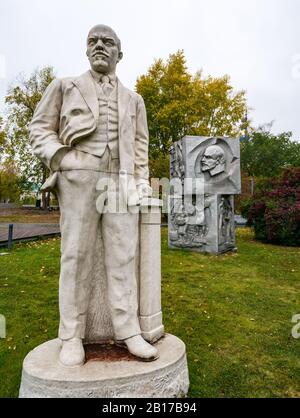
(106, 85)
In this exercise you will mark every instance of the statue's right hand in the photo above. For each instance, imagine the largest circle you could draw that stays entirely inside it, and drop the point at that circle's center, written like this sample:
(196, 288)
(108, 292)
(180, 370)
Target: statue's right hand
(58, 157)
(75, 159)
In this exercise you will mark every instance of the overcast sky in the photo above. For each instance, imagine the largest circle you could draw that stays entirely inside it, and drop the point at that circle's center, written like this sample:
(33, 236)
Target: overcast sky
(256, 42)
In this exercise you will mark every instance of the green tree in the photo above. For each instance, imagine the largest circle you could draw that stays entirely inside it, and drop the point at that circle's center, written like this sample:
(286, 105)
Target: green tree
(159, 167)
(9, 184)
(21, 101)
(2, 133)
(264, 154)
(2, 140)
(180, 104)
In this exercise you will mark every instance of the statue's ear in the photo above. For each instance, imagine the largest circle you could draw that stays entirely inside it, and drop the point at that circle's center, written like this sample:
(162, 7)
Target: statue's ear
(120, 56)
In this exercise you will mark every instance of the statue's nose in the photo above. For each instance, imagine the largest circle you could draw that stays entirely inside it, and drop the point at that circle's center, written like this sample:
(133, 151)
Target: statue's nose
(99, 44)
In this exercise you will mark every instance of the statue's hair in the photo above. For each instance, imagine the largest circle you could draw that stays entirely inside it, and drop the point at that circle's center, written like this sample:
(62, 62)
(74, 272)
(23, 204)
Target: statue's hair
(111, 30)
(218, 152)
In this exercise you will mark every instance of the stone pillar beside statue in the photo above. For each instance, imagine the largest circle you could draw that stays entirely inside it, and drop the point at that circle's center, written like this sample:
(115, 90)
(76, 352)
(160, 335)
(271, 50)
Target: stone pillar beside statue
(205, 176)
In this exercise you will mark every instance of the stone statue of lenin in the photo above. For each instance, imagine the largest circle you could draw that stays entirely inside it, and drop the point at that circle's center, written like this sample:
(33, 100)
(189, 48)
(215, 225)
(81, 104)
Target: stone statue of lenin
(84, 129)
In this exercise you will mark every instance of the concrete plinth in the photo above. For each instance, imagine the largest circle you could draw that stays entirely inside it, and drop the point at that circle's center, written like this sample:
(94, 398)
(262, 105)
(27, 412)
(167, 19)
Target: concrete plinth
(44, 377)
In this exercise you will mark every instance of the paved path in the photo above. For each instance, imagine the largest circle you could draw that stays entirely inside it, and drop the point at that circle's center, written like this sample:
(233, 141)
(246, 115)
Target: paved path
(29, 230)
(23, 231)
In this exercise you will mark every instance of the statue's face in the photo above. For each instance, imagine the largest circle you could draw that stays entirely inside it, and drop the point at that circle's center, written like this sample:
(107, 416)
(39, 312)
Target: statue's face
(209, 160)
(103, 50)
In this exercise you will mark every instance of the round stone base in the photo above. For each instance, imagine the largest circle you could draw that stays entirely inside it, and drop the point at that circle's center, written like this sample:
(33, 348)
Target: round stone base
(112, 376)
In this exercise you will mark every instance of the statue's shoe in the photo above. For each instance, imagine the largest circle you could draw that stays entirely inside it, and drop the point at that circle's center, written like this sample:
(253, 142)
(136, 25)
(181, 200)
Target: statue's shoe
(138, 347)
(72, 353)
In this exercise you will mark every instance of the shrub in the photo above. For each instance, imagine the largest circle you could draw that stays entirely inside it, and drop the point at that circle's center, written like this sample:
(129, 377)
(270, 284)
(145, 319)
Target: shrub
(274, 211)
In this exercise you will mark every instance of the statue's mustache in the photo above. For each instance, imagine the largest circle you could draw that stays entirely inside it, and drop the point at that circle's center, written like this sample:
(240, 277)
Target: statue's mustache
(100, 53)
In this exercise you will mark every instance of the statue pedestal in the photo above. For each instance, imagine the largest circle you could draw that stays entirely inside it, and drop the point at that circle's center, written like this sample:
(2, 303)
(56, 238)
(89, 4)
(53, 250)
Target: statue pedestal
(116, 374)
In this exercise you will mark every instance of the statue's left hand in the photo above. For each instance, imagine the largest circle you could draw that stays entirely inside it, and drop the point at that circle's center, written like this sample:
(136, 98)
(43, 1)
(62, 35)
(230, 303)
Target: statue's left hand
(144, 190)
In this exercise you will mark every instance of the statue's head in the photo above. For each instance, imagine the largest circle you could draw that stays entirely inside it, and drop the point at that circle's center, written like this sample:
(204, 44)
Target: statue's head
(213, 160)
(103, 49)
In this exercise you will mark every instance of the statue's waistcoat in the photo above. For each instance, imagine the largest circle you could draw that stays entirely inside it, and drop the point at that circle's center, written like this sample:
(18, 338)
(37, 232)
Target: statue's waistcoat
(106, 134)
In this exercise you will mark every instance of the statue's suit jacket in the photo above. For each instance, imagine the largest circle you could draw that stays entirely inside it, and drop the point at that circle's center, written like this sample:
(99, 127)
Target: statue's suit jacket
(68, 112)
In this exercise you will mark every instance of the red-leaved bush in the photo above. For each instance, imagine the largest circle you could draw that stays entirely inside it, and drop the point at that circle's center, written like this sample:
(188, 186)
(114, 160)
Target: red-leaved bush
(274, 211)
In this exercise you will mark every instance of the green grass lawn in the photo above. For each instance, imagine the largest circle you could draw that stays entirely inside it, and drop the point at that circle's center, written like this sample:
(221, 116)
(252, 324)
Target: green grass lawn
(233, 312)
